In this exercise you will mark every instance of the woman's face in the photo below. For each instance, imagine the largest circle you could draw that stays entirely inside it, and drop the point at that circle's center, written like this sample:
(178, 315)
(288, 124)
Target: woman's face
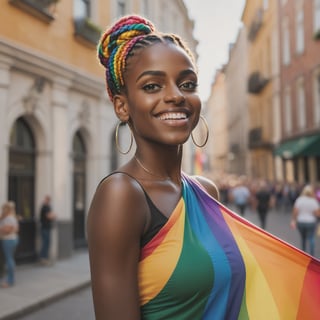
(161, 94)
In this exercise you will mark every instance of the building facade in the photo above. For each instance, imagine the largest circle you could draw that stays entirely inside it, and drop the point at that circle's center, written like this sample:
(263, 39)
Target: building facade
(57, 125)
(216, 113)
(298, 150)
(238, 160)
(261, 21)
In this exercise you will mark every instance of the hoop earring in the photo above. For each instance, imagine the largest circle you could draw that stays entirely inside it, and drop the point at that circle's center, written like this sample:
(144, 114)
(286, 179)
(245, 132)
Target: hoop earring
(207, 133)
(117, 138)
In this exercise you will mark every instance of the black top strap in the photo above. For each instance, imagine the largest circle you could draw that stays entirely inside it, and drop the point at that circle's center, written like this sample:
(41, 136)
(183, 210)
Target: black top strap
(158, 219)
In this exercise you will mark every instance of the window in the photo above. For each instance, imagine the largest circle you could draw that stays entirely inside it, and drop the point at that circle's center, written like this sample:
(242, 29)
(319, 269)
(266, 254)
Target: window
(86, 30)
(316, 15)
(265, 4)
(286, 42)
(299, 30)
(44, 9)
(121, 8)
(287, 111)
(81, 9)
(301, 105)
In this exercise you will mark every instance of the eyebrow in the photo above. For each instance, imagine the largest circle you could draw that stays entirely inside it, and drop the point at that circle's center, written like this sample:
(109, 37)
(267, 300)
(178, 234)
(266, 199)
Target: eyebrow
(162, 74)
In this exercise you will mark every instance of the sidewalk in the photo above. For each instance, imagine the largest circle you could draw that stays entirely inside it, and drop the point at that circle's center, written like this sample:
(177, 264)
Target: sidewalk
(37, 285)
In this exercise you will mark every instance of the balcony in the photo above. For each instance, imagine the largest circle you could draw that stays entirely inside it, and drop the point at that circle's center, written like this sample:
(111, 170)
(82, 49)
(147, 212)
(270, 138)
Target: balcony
(42, 9)
(256, 139)
(256, 82)
(86, 31)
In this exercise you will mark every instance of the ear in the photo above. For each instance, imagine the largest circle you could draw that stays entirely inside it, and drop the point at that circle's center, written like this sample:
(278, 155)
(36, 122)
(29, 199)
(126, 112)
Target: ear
(121, 107)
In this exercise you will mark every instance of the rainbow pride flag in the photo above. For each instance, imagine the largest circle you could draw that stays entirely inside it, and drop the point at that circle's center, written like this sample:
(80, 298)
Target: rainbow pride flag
(209, 263)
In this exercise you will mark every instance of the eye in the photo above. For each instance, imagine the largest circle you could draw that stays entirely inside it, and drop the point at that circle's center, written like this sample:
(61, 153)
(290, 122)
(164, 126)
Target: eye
(189, 85)
(151, 87)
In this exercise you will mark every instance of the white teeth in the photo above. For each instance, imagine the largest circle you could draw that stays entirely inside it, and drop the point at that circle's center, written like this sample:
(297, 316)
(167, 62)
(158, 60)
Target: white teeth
(172, 116)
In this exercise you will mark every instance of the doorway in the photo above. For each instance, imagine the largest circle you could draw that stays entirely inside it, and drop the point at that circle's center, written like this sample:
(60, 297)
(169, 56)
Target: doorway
(79, 190)
(21, 187)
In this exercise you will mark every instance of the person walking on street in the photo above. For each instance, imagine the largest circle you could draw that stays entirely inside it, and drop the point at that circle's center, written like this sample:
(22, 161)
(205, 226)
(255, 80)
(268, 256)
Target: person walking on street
(263, 199)
(240, 196)
(9, 228)
(47, 216)
(305, 212)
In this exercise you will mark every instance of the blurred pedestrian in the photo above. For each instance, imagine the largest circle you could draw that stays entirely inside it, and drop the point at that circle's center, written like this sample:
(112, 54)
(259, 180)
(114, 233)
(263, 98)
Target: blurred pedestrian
(224, 192)
(264, 200)
(47, 216)
(304, 216)
(9, 228)
(240, 196)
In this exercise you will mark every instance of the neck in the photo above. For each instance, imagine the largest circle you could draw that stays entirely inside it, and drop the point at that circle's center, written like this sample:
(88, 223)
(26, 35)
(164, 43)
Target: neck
(152, 173)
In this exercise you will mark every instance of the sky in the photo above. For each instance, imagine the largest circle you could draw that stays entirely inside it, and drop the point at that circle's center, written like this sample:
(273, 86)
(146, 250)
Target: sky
(217, 23)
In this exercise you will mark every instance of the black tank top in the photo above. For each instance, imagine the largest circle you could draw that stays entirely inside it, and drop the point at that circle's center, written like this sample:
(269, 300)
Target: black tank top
(157, 218)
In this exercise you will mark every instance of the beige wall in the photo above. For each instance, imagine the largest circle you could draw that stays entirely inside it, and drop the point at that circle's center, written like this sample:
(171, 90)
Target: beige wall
(216, 115)
(263, 57)
(54, 39)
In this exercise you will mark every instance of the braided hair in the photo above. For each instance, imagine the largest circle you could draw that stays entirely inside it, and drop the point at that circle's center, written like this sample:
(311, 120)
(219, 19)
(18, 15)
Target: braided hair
(122, 40)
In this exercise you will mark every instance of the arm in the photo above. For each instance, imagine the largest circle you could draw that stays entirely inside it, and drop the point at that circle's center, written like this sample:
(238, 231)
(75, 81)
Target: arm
(210, 187)
(9, 228)
(115, 223)
(317, 210)
(50, 215)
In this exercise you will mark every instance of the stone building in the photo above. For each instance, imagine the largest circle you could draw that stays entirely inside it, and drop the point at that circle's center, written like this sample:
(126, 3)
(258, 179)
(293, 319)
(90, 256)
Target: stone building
(260, 18)
(238, 161)
(57, 125)
(298, 150)
(216, 113)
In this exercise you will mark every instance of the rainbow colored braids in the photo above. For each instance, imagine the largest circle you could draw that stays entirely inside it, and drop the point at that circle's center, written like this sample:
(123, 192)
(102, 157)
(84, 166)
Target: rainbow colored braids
(128, 34)
(115, 45)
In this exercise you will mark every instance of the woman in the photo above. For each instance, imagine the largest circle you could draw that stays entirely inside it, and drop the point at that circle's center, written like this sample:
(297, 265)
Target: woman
(9, 228)
(304, 217)
(160, 245)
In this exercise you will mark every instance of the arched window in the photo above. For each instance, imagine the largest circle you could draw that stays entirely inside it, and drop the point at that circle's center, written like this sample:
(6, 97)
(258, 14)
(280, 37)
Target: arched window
(21, 186)
(79, 190)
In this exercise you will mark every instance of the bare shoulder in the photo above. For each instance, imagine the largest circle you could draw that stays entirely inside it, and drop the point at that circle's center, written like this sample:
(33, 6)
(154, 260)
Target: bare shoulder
(115, 223)
(209, 185)
(118, 197)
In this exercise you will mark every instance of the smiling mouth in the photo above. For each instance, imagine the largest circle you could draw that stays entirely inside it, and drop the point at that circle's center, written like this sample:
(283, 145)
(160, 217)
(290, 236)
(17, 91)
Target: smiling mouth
(173, 116)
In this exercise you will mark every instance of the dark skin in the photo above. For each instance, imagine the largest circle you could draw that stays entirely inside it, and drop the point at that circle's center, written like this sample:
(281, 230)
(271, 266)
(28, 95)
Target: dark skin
(160, 80)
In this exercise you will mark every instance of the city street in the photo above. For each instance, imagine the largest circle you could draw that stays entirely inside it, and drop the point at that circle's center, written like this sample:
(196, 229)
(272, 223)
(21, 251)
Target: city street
(278, 223)
(79, 305)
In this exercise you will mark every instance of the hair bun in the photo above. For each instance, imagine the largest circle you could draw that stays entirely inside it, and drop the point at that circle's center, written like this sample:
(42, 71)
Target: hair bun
(124, 30)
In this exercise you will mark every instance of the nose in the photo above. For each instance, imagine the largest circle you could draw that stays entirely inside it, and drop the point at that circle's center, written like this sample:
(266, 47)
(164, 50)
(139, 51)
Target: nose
(174, 95)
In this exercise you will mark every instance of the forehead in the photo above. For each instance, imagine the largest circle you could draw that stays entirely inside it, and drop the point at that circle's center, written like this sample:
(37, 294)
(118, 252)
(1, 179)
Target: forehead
(159, 56)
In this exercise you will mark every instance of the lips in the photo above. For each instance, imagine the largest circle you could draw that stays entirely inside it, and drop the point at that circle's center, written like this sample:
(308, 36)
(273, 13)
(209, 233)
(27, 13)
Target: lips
(173, 116)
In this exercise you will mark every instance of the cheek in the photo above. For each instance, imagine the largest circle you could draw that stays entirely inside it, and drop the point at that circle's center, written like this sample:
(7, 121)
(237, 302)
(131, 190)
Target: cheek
(196, 104)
